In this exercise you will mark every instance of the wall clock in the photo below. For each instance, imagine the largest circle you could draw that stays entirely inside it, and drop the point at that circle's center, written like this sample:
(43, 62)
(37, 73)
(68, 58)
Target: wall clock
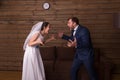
(46, 5)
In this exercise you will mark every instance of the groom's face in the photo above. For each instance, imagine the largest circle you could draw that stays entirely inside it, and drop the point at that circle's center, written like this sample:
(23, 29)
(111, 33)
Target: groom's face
(70, 24)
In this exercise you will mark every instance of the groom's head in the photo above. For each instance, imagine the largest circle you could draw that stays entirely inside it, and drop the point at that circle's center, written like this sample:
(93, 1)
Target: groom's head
(73, 22)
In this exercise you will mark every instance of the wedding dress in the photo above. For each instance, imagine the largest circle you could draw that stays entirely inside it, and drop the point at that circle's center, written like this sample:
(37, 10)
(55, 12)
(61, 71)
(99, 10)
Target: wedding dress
(33, 68)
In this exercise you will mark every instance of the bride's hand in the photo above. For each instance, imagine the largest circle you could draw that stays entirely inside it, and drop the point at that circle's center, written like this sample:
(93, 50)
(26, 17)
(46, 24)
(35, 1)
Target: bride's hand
(52, 37)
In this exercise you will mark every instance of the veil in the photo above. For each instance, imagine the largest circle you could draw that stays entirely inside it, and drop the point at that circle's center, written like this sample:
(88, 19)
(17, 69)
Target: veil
(35, 28)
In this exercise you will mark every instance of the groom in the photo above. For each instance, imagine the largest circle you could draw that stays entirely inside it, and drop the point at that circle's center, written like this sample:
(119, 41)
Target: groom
(80, 39)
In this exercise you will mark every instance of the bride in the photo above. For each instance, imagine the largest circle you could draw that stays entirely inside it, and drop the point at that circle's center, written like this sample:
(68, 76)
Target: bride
(33, 68)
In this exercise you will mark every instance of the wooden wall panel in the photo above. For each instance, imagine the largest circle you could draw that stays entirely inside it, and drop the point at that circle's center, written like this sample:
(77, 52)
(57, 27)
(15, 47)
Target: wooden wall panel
(18, 16)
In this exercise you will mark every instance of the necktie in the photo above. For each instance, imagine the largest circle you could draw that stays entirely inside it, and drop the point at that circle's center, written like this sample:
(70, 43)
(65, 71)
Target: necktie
(72, 36)
(72, 31)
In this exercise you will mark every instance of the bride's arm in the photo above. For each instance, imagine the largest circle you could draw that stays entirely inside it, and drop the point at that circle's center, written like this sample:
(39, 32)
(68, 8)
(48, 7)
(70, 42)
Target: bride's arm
(35, 40)
(49, 39)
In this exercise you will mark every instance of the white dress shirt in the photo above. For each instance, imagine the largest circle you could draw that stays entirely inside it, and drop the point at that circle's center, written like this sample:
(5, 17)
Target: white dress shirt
(75, 29)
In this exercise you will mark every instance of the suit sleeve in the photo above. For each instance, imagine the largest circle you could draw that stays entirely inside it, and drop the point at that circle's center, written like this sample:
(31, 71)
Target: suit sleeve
(65, 37)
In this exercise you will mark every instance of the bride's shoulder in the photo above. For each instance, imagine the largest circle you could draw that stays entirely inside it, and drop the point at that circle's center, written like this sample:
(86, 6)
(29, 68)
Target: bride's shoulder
(36, 32)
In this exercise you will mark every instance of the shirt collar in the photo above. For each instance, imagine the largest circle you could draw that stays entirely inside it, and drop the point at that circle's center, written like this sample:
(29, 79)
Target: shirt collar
(76, 28)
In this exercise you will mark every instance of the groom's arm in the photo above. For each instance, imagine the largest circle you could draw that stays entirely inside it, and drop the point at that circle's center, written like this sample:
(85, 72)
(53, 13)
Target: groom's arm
(65, 37)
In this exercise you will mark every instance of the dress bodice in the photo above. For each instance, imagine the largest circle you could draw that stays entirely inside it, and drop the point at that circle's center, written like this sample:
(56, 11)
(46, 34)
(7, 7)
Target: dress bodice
(41, 37)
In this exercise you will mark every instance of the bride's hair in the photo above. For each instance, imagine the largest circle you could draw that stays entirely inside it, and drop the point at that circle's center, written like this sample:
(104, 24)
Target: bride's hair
(44, 25)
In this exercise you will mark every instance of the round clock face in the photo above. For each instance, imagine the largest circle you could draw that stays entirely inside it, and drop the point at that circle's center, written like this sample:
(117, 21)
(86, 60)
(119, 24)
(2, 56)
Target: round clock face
(46, 5)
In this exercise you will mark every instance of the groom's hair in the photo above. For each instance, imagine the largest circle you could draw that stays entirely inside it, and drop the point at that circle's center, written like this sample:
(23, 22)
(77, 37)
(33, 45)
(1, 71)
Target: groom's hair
(74, 19)
(45, 24)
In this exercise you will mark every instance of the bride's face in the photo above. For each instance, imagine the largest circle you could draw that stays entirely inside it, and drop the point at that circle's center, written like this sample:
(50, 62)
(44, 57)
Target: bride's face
(46, 29)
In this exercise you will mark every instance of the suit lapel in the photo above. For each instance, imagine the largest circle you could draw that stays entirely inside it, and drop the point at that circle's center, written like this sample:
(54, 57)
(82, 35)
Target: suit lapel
(78, 30)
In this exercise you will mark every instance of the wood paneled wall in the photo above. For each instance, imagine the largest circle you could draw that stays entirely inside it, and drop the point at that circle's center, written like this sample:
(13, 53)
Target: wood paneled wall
(18, 16)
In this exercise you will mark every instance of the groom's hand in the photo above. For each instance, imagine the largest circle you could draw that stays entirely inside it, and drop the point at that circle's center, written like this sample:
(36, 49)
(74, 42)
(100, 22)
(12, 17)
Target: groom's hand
(60, 34)
(72, 43)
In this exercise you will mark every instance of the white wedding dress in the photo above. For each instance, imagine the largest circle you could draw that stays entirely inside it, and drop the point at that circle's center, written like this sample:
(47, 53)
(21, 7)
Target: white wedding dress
(33, 68)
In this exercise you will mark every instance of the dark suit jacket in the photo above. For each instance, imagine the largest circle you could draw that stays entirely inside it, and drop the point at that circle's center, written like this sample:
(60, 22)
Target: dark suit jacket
(84, 47)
